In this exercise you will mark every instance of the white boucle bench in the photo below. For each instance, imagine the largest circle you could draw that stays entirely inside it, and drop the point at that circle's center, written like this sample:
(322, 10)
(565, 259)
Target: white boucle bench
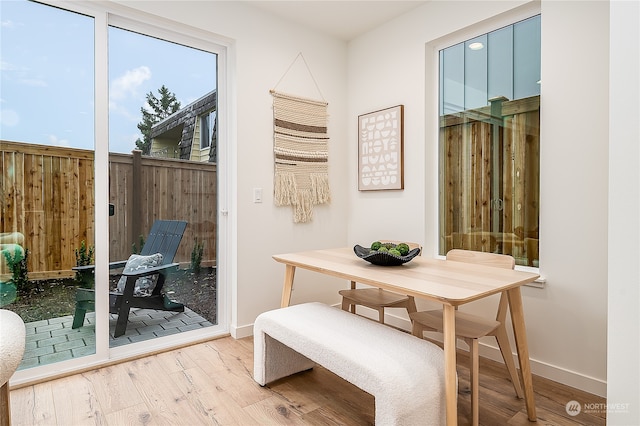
(405, 374)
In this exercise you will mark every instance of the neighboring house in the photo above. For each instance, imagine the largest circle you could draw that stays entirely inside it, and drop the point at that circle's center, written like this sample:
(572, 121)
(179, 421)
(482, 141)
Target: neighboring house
(188, 134)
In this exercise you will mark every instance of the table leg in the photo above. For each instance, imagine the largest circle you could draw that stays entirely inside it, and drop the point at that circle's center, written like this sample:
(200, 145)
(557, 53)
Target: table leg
(289, 273)
(5, 405)
(450, 377)
(352, 307)
(520, 334)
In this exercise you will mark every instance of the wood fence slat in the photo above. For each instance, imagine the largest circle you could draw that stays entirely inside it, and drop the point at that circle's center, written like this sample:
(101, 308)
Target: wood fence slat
(47, 193)
(467, 159)
(34, 220)
(9, 193)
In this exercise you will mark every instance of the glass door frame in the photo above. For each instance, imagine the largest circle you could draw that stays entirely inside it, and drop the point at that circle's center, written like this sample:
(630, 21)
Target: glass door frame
(122, 17)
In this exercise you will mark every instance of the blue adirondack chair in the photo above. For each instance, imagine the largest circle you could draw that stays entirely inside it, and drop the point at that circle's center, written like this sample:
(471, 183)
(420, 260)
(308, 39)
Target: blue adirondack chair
(164, 238)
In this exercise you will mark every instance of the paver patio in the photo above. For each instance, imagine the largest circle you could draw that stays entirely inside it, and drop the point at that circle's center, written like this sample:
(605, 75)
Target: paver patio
(54, 340)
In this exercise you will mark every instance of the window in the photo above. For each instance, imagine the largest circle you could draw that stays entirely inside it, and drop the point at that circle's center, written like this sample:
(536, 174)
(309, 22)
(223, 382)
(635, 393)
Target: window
(207, 127)
(489, 143)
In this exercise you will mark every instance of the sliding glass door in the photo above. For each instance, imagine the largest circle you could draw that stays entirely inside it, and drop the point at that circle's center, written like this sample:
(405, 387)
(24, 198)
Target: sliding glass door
(109, 126)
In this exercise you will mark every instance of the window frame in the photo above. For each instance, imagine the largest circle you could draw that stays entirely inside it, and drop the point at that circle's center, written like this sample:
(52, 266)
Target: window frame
(432, 108)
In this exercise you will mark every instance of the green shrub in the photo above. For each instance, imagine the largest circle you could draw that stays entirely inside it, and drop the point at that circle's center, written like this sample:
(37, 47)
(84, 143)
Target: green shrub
(134, 248)
(18, 266)
(196, 256)
(84, 257)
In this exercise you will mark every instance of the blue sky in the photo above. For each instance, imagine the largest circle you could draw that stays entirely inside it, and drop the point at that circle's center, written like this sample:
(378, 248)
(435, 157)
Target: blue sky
(47, 77)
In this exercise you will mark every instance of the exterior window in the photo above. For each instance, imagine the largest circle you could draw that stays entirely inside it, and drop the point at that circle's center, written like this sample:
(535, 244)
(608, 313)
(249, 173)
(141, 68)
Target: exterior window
(489, 142)
(207, 127)
(208, 133)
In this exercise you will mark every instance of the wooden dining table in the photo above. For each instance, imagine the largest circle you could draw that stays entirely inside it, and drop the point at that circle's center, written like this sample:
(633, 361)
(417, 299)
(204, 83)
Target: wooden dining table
(447, 282)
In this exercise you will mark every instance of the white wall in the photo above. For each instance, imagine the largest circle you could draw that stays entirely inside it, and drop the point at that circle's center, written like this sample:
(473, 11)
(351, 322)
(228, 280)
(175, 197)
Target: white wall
(263, 48)
(623, 369)
(568, 318)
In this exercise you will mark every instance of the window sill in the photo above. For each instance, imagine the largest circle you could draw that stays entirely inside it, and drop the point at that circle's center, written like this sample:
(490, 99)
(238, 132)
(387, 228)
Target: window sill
(541, 282)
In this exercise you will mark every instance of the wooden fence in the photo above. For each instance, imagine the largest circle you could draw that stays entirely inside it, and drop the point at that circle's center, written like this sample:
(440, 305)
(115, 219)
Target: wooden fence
(47, 194)
(490, 176)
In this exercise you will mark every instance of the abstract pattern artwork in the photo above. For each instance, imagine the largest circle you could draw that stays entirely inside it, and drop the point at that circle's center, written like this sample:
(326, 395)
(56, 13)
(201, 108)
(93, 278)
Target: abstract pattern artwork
(380, 149)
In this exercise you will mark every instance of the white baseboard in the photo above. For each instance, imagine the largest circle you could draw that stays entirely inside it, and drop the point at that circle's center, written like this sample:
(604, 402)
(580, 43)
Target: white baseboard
(242, 331)
(539, 368)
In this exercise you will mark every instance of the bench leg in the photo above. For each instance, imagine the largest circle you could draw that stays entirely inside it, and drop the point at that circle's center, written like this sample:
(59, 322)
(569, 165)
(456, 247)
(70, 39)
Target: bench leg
(274, 360)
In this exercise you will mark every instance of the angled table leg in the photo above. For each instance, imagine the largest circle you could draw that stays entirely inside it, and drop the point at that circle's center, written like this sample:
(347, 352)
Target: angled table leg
(520, 334)
(289, 273)
(450, 377)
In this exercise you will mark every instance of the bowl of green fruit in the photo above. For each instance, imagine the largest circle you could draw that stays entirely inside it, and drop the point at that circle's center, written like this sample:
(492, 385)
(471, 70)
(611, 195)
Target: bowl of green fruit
(386, 254)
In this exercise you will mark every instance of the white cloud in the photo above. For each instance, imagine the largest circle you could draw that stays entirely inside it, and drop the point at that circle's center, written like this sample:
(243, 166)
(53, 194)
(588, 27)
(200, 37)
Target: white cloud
(55, 141)
(10, 24)
(9, 117)
(7, 66)
(116, 108)
(33, 82)
(20, 72)
(127, 84)
(147, 107)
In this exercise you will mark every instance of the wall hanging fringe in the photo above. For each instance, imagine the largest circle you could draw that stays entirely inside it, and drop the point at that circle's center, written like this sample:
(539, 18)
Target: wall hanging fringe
(301, 177)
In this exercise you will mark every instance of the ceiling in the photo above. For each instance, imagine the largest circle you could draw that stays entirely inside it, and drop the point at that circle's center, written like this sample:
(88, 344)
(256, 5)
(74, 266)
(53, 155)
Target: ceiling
(345, 20)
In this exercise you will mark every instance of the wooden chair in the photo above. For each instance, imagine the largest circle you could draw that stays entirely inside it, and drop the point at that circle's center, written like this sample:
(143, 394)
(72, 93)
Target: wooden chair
(470, 327)
(376, 298)
(164, 238)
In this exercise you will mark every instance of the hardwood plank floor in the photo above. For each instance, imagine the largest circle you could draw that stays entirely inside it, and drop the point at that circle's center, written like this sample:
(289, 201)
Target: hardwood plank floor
(211, 383)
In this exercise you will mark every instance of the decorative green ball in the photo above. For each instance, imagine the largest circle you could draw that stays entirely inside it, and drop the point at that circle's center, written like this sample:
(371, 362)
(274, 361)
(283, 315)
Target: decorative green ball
(403, 248)
(376, 245)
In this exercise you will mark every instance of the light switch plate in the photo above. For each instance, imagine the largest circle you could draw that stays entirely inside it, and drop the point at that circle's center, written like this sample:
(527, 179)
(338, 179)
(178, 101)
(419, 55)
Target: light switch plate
(257, 195)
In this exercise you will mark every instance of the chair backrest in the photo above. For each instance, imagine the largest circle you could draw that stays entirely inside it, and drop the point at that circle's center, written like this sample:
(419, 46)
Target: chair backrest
(489, 259)
(483, 258)
(164, 237)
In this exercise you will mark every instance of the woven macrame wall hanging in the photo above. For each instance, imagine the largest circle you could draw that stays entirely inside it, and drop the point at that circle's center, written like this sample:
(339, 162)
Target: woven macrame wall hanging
(301, 155)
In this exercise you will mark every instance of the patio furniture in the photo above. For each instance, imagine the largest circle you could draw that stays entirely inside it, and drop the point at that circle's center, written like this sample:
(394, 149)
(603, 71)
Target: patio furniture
(9, 242)
(11, 247)
(159, 250)
(470, 327)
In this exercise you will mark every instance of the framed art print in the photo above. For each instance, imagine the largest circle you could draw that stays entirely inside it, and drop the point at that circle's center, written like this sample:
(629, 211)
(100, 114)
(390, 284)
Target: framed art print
(380, 149)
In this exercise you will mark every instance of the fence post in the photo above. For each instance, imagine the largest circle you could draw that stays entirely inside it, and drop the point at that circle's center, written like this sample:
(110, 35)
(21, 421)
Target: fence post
(136, 202)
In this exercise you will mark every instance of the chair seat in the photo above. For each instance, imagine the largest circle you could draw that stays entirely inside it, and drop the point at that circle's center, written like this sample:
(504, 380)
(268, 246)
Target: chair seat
(375, 297)
(467, 325)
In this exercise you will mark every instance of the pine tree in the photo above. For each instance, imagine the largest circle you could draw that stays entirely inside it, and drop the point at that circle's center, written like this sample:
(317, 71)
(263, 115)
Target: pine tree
(162, 108)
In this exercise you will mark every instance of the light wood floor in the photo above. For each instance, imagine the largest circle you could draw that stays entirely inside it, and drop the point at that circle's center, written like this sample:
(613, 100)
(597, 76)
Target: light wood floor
(211, 383)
